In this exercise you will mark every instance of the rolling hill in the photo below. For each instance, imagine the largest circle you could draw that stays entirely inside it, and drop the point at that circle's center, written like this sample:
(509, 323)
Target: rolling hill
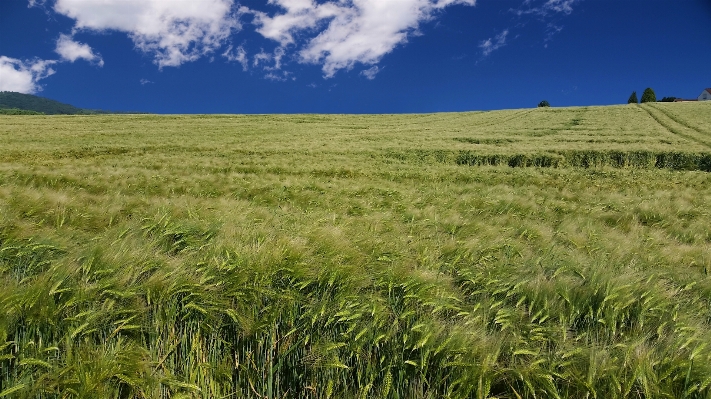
(12, 103)
(28, 102)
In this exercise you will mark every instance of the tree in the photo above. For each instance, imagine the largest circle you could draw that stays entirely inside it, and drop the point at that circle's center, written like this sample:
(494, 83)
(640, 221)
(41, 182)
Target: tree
(543, 103)
(15, 111)
(633, 98)
(648, 96)
(668, 99)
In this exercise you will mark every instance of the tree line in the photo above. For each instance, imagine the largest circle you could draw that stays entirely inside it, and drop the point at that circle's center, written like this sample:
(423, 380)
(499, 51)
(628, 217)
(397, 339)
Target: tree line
(648, 96)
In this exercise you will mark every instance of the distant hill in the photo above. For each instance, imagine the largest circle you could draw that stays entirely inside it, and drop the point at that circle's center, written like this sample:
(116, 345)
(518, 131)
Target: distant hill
(28, 102)
(12, 103)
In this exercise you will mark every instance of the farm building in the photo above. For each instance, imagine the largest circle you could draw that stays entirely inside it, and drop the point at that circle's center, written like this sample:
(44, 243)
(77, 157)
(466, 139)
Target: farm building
(705, 95)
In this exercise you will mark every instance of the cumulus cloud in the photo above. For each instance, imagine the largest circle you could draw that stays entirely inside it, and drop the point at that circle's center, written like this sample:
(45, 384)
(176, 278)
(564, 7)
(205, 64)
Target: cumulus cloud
(335, 34)
(347, 31)
(238, 55)
(173, 32)
(491, 44)
(71, 51)
(23, 76)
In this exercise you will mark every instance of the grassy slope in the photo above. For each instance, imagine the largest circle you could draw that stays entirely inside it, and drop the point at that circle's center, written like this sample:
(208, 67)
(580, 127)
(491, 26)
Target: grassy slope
(343, 256)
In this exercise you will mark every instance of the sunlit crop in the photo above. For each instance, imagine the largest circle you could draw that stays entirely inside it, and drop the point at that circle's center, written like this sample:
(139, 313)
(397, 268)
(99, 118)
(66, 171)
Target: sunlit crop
(546, 253)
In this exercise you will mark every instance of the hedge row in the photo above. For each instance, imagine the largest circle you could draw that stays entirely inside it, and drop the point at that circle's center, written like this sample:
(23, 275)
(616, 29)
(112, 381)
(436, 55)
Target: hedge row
(593, 159)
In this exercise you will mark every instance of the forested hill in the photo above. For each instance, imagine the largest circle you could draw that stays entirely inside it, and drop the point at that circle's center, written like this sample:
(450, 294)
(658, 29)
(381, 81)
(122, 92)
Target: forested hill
(12, 103)
(28, 102)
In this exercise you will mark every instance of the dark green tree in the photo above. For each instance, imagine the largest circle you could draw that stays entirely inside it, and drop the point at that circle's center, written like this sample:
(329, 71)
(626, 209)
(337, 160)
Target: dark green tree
(668, 99)
(15, 111)
(633, 98)
(543, 103)
(648, 96)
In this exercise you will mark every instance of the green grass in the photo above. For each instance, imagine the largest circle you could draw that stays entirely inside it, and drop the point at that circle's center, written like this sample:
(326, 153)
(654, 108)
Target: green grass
(542, 253)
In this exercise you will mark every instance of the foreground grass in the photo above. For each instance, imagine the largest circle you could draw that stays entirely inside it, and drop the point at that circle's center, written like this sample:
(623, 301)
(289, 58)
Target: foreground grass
(316, 256)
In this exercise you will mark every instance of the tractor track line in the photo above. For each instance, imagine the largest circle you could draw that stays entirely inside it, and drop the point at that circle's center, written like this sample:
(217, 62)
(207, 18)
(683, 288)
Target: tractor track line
(671, 129)
(517, 115)
(677, 120)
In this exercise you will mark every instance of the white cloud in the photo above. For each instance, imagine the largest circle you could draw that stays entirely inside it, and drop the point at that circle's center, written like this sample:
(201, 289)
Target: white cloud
(71, 51)
(551, 30)
(145, 82)
(23, 76)
(239, 55)
(172, 31)
(491, 44)
(547, 8)
(282, 76)
(347, 31)
(263, 57)
(370, 72)
(564, 6)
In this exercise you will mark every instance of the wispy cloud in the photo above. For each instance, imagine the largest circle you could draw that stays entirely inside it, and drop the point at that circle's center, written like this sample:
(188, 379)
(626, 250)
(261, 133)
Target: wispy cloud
(340, 34)
(546, 8)
(371, 72)
(491, 44)
(551, 30)
(145, 82)
(279, 76)
(263, 58)
(71, 51)
(24, 76)
(544, 11)
(564, 6)
(238, 55)
(36, 3)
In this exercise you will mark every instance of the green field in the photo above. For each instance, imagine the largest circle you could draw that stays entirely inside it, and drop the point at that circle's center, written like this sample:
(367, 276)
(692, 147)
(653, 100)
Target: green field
(540, 253)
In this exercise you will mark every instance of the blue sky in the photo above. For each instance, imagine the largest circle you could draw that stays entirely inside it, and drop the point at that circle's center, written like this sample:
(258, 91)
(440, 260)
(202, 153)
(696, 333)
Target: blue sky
(352, 56)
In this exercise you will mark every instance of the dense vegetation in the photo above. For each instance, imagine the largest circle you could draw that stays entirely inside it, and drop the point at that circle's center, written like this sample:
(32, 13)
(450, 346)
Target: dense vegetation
(27, 102)
(549, 252)
(16, 111)
(633, 98)
(648, 96)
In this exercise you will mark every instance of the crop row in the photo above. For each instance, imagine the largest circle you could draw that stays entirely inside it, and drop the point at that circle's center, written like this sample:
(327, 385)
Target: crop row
(590, 159)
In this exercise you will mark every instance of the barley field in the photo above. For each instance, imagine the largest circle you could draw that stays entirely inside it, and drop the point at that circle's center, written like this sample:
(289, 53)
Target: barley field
(538, 253)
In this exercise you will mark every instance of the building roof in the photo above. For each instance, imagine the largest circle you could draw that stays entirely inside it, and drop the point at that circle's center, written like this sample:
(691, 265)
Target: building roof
(709, 90)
